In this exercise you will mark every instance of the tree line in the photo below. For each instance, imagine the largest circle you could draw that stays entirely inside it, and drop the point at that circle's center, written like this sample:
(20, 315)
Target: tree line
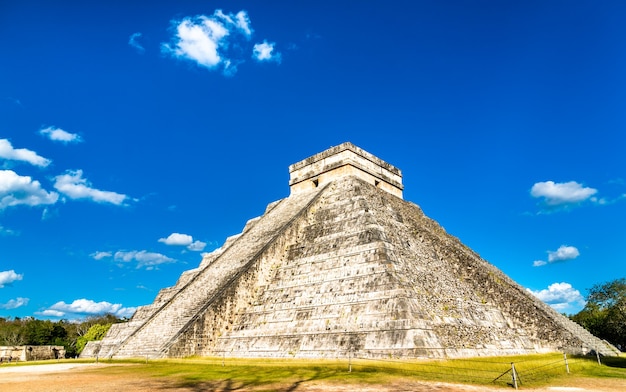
(71, 335)
(604, 315)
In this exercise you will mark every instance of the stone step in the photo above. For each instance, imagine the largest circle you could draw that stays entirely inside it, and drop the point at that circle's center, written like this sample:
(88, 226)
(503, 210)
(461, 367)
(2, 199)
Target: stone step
(346, 265)
(168, 321)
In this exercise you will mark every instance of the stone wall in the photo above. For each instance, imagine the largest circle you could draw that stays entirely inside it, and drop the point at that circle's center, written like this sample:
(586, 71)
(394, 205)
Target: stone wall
(31, 353)
(344, 160)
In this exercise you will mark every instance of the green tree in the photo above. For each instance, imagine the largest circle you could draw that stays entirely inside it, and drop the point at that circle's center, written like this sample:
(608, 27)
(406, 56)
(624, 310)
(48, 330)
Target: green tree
(605, 312)
(11, 333)
(28, 330)
(96, 332)
(37, 332)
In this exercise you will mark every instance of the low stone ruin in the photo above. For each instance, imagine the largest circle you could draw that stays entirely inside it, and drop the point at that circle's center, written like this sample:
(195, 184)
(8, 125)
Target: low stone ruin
(30, 353)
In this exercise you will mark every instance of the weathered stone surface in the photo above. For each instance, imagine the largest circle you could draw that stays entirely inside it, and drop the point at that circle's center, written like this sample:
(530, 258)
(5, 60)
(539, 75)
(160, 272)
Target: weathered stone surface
(344, 265)
(30, 353)
(344, 160)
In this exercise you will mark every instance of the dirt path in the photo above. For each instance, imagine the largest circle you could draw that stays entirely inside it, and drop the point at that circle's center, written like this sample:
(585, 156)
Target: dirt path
(88, 378)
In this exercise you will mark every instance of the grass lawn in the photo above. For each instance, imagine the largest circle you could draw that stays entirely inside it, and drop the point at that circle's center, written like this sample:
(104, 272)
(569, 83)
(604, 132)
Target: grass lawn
(532, 370)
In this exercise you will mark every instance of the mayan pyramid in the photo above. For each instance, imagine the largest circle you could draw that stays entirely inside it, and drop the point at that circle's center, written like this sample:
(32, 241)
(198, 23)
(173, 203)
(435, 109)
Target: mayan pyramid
(344, 266)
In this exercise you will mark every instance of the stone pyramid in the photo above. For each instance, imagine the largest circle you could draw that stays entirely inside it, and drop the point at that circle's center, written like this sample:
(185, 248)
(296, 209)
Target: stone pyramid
(344, 266)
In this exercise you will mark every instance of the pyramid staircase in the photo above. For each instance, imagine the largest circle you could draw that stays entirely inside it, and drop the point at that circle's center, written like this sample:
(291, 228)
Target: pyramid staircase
(344, 266)
(151, 329)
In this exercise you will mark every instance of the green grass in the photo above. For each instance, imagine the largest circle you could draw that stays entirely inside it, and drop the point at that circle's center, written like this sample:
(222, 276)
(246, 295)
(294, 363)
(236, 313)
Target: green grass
(287, 374)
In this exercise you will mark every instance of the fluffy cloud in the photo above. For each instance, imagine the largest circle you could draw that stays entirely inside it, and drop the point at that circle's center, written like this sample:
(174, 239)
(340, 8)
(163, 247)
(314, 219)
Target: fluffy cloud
(101, 255)
(143, 258)
(564, 193)
(59, 135)
(15, 303)
(560, 296)
(21, 154)
(133, 41)
(564, 253)
(216, 41)
(22, 190)
(8, 277)
(199, 39)
(264, 52)
(183, 240)
(177, 239)
(197, 246)
(73, 185)
(50, 313)
(240, 21)
(87, 307)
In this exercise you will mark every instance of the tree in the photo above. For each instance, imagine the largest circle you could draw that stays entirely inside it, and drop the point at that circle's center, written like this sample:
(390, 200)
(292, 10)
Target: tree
(28, 330)
(605, 312)
(96, 332)
(11, 333)
(38, 332)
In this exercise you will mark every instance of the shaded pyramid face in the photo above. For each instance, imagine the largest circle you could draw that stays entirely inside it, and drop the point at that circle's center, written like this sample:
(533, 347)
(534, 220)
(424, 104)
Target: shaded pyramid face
(344, 266)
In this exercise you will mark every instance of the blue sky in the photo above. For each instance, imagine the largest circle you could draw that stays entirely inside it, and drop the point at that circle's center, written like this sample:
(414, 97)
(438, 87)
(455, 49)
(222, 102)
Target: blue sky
(135, 136)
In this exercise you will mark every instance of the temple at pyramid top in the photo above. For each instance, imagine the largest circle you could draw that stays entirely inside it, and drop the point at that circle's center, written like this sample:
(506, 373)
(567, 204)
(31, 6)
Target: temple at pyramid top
(344, 268)
(344, 160)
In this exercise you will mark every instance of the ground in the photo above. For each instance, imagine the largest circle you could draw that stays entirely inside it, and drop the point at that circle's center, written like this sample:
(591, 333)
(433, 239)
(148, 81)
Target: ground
(68, 377)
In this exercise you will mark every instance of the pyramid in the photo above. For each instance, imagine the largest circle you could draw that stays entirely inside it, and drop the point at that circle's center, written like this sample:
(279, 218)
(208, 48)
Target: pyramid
(344, 266)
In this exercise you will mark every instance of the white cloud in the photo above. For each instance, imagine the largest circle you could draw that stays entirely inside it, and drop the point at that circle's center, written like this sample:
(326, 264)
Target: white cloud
(198, 39)
(126, 312)
(560, 296)
(87, 307)
(100, 255)
(133, 41)
(215, 41)
(51, 313)
(265, 52)
(21, 154)
(15, 303)
(240, 21)
(59, 135)
(8, 277)
(48, 213)
(177, 239)
(564, 253)
(183, 240)
(143, 258)
(73, 185)
(22, 190)
(197, 246)
(243, 23)
(5, 231)
(555, 194)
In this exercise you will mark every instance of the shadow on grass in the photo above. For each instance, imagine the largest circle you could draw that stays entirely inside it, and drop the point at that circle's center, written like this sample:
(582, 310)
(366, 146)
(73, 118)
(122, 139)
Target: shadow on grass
(618, 362)
(283, 380)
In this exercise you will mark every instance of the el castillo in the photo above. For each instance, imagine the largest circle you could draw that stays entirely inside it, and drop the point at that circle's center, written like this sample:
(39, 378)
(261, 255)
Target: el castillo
(344, 266)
